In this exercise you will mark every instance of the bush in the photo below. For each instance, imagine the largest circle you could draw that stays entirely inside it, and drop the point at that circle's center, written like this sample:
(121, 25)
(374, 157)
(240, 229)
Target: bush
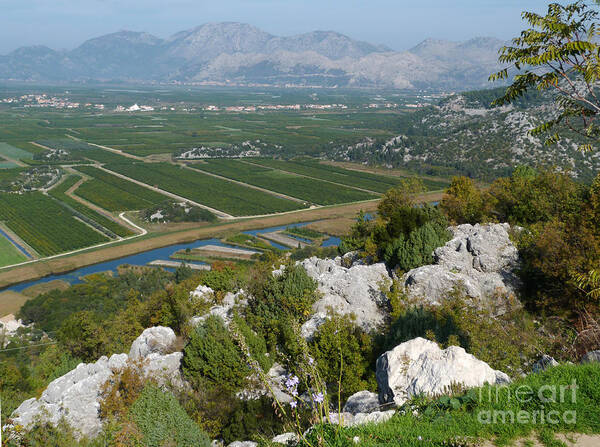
(162, 421)
(340, 345)
(506, 342)
(276, 299)
(211, 357)
(464, 203)
(252, 418)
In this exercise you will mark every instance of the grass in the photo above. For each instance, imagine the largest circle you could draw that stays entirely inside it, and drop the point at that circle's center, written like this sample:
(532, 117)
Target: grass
(45, 287)
(9, 254)
(303, 232)
(249, 241)
(11, 302)
(470, 417)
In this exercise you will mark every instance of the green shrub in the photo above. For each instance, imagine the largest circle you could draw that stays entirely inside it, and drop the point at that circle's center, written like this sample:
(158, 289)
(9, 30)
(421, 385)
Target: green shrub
(276, 299)
(341, 346)
(212, 357)
(505, 342)
(251, 419)
(162, 421)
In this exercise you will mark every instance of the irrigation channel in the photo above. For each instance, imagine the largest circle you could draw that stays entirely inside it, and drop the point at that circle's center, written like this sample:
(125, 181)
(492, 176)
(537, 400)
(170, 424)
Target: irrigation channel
(144, 258)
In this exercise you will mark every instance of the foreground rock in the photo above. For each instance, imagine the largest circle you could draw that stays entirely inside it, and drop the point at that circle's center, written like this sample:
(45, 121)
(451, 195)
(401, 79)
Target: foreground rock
(544, 363)
(355, 290)
(76, 396)
(591, 357)
(419, 366)
(362, 402)
(481, 259)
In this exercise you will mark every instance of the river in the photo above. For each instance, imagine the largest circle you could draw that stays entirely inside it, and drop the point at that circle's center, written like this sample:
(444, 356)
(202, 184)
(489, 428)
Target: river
(143, 258)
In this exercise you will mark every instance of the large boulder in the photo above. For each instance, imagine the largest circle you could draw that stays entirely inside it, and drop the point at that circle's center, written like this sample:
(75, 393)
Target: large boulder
(158, 340)
(420, 366)
(362, 402)
(348, 290)
(76, 396)
(480, 259)
(353, 420)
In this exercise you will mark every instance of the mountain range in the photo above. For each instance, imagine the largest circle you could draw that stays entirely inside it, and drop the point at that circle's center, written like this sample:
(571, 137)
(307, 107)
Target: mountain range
(240, 54)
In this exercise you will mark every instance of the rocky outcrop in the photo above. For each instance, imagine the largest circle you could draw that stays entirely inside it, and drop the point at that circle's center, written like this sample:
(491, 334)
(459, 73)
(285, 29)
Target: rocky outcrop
(348, 290)
(591, 357)
(419, 366)
(480, 259)
(544, 363)
(224, 309)
(76, 396)
(286, 439)
(362, 402)
(276, 376)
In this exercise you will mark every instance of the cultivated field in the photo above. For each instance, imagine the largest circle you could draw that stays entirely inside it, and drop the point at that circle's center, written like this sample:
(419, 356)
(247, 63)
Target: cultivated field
(45, 224)
(312, 190)
(216, 193)
(114, 193)
(109, 226)
(12, 153)
(355, 178)
(9, 254)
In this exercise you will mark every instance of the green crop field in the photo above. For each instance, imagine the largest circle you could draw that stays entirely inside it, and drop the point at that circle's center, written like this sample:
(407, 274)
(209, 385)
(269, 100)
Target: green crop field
(44, 224)
(80, 150)
(312, 190)
(107, 226)
(216, 193)
(9, 254)
(358, 179)
(116, 194)
(8, 151)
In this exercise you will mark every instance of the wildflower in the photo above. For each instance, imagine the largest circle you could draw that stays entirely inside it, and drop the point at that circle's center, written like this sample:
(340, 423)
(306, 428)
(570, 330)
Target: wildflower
(356, 439)
(420, 438)
(293, 404)
(292, 382)
(318, 397)
(311, 360)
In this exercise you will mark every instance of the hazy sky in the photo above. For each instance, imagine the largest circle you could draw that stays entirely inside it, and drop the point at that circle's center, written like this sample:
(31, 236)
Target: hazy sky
(400, 24)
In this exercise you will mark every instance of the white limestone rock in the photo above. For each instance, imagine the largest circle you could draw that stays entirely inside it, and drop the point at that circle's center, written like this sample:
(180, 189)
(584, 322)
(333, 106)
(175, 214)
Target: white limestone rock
(158, 340)
(76, 396)
(480, 258)
(419, 366)
(286, 439)
(243, 444)
(355, 290)
(362, 402)
(224, 310)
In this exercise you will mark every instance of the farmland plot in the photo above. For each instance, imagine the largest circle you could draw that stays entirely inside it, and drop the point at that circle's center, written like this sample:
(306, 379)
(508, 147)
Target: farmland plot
(216, 193)
(312, 190)
(59, 193)
(42, 223)
(114, 193)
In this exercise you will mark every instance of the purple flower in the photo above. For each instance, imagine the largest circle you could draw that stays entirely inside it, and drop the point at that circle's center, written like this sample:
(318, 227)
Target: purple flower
(310, 360)
(292, 382)
(318, 397)
(293, 404)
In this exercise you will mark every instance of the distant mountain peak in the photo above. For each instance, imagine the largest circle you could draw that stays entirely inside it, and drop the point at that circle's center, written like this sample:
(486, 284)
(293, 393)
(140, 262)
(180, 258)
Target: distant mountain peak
(242, 54)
